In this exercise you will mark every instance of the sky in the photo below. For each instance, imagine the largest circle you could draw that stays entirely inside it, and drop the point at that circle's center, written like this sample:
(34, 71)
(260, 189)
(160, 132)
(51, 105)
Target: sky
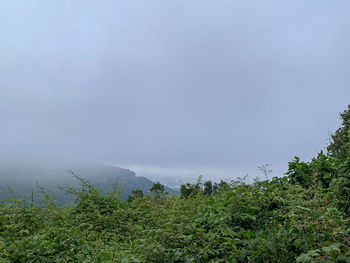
(173, 87)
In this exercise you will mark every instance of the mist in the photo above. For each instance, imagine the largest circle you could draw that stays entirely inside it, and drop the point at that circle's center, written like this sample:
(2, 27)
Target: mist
(172, 87)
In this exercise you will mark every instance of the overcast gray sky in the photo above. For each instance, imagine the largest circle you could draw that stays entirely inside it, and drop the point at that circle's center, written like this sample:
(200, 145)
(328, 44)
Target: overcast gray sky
(211, 85)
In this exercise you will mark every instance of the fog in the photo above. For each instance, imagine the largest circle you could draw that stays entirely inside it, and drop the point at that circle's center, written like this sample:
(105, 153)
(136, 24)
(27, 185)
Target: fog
(172, 87)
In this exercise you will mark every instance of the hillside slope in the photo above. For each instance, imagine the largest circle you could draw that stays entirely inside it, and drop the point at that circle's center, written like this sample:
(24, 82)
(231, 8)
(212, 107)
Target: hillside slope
(23, 178)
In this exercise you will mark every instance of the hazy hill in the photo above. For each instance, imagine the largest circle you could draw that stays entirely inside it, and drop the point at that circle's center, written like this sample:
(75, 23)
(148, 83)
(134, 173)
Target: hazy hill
(22, 178)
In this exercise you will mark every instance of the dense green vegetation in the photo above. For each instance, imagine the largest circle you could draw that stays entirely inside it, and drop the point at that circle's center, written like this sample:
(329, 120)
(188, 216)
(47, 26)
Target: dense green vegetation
(301, 217)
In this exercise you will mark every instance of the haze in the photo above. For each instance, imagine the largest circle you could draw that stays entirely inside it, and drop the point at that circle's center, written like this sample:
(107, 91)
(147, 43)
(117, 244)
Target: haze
(172, 87)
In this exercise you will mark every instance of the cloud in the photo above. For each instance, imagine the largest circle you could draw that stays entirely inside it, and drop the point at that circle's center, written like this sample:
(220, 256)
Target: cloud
(172, 83)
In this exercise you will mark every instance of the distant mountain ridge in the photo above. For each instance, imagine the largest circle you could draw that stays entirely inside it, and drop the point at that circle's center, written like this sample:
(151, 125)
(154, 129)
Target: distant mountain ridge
(23, 178)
